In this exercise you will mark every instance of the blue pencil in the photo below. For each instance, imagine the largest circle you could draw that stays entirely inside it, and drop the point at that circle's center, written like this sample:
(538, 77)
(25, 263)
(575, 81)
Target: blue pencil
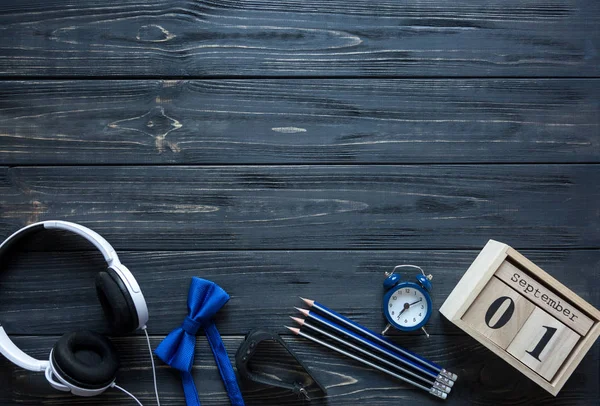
(401, 352)
(366, 342)
(431, 380)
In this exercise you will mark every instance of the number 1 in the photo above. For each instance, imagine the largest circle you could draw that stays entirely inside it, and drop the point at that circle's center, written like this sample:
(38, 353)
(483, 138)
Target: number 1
(535, 353)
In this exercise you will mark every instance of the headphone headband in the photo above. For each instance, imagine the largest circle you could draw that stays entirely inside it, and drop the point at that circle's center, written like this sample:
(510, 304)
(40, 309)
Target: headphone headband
(17, 356)
(14, 353)
(108, 252)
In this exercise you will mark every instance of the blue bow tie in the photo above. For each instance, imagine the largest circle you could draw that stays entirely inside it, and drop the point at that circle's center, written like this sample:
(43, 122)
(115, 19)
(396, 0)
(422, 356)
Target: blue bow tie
(205, 299)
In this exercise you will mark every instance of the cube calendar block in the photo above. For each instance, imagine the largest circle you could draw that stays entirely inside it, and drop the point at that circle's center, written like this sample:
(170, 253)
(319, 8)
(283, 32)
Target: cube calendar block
(543, 343)
(490, 311)
(524, 315)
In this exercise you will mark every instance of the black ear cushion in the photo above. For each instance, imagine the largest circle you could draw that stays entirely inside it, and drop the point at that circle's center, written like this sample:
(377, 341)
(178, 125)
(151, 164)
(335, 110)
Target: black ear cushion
(85, 359)
(116, 302)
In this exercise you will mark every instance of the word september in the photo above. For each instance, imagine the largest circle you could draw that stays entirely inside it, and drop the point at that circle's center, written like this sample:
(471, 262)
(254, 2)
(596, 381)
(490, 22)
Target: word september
(554, 304)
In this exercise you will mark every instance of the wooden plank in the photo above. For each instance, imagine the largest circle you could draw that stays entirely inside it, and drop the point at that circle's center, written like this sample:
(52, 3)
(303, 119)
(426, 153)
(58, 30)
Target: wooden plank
(472, 282)
(525, 263)
(483, 377)
(339, 207)
(49, 293)
(299, 121)
(258, 38)
(556, 305)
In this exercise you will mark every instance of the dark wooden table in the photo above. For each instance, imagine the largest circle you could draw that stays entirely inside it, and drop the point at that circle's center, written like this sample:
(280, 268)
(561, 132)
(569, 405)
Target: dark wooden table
(286, 149)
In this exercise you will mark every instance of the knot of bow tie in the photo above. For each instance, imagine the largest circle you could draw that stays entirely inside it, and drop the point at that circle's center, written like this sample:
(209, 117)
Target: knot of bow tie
(205, 299)
(191, 326)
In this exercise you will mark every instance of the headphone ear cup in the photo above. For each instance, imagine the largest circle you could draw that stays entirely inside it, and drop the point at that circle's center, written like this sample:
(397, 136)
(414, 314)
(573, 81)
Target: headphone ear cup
(116, 302)
(85, 359)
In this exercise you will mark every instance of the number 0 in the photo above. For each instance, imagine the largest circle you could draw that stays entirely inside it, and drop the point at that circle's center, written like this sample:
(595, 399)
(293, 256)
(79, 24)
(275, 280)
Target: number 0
(493, 309)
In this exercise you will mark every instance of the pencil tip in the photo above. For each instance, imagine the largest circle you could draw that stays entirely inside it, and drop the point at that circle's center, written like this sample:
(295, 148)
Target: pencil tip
(303, 311)
(308, 301)
(293, 329)
(298, 320)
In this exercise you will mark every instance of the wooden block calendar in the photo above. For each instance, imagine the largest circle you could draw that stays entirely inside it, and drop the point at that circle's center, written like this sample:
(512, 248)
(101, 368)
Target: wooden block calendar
(524, 315)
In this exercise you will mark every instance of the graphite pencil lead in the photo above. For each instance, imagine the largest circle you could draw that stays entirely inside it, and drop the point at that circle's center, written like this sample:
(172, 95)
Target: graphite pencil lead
(297, 320)
(303, 311)
(293, 330)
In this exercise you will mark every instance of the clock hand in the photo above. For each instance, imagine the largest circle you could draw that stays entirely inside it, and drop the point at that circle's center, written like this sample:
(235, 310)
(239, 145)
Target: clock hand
(414, 303)
(406, 306)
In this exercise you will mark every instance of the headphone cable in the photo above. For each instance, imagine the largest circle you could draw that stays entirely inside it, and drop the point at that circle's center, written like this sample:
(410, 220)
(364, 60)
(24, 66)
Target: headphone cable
(114, 385)
(127, 393)
(153, 367)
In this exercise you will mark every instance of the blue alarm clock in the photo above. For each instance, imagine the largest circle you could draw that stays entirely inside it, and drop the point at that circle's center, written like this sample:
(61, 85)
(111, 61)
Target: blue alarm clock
(407, 305)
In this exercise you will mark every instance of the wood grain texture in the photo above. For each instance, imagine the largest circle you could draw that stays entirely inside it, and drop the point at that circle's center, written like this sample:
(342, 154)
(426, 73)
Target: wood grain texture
(49, 293)
(306, 207)
(309, 38)
(299, 121)
(301, 113)
(483, 378)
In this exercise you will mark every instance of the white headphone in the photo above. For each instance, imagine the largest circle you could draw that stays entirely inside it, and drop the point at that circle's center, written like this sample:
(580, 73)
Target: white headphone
(84, 362)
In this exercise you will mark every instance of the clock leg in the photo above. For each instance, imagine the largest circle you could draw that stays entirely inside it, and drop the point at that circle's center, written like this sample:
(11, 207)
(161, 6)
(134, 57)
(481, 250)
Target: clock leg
(385, 330)
(425, 331)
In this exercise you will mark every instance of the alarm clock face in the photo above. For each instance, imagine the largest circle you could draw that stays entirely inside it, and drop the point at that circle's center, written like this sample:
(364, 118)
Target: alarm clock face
(407, 306)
